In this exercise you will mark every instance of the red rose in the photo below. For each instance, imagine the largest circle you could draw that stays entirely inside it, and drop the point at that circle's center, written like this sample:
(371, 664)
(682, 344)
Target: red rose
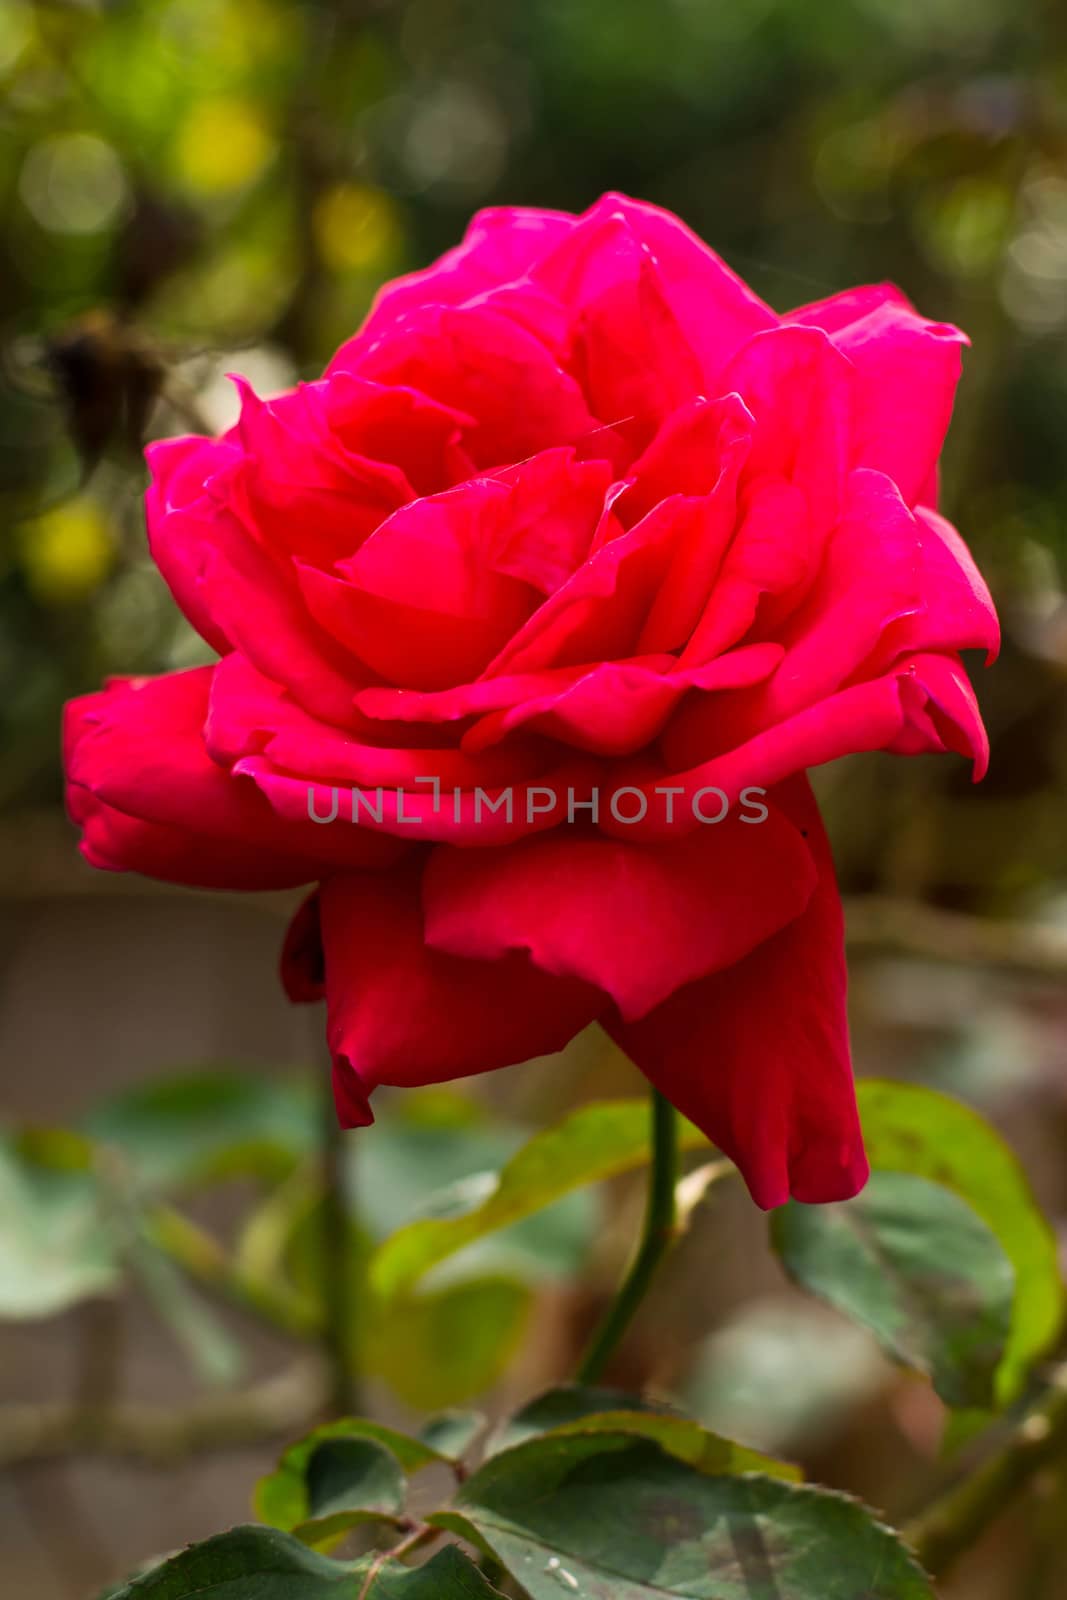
(579, 529)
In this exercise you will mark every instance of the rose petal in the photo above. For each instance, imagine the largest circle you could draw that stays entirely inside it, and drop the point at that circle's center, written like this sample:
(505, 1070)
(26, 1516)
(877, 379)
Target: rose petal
(638, 921)
(137, 747)
(244, 588)
(715, 310)
(499, 246)
(402, 1013)
(907, 371)
(758, 1055)
(618, 707)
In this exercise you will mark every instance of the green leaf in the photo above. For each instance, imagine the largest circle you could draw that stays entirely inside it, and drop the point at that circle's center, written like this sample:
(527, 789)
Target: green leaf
(282, 1498)
(207, 1126)
(614, 1516)
(58, 1244)
(567, 1403)
(912, 1262)
(451, 1433)
(212, 1350)
(450, 1575)
(349, 1481)
(596, 1142)
(418, 1166)
(574, 1410)
(440, 1349)
(262, 1564)
(908, 1128)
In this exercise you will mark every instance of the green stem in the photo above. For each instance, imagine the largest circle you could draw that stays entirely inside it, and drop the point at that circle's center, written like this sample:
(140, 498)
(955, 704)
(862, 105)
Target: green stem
(962, 1515)
(338, 1307)
(656, 1239)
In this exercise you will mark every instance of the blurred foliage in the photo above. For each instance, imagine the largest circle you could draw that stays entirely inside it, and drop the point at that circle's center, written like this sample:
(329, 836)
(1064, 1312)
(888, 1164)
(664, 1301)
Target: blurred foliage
(195, 186)
(85, 1212)
(454, 1221)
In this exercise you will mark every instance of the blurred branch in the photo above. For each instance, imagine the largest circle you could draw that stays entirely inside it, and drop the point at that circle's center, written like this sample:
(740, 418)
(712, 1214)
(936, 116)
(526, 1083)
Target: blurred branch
(959, 1519)
(339, 1301)
(204, 1259)
(160, 1436)
(906, 927)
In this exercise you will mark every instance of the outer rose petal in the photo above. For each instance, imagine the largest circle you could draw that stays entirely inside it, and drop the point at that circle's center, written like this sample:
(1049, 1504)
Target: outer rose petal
(886, 713)
(137, 748)
(248, 715)
(800, 390)
(401, 1013)
(839, 311)
(179, 521)
(627, 347)
(114, 842)
(477, 818)
(302, 967)
(907, 372)
(957, 611)
(758, 1056)
(498, 247)
(891, 583)
(248, 593)
(716, 311)
(307, 495)
(636, 920)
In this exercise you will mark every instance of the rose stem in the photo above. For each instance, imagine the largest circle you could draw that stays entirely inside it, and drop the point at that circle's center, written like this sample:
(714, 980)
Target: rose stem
(656, 1239)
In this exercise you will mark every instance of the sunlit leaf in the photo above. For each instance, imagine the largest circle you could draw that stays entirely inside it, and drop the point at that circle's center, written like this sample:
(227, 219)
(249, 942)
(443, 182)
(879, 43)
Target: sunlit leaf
(575, 1410)
(442, 1348)
(591, 1144)
(424, 1162)
(282, 1498)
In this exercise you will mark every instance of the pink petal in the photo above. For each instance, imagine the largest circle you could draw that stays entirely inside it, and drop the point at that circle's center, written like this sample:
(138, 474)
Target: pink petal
(302, 967)
(180, 523)
(758, 1055)
(891, 583)
(839, 311)
(481, 817)
(956, 610)
(637, 921)
(137, 748)
(872, 715)
(907, 372)
(771, 560)
(305, 494)
(114, 842)
(247, 590)
(714, 309)
(248, 715)
(704, 537)
(500, 246)
(799, 389)
(628, 349)
(402, 1013)
(479, 361)
(618, 707)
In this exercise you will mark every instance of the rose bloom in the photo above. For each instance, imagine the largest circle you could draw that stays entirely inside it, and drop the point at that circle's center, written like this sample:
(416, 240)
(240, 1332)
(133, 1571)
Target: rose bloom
(573, 513)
